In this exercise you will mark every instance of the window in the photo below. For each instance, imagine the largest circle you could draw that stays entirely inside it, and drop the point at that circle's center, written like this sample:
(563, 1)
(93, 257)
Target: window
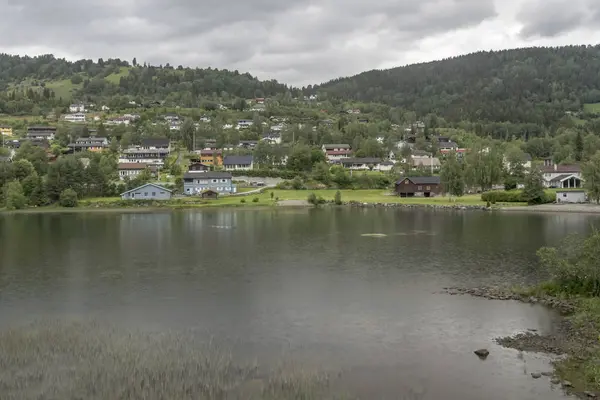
(214, 180)
(428, 188)
(145, 194)
(153, 194)
(223, 180)
(419, 187)
(564, 195)
(406, 182)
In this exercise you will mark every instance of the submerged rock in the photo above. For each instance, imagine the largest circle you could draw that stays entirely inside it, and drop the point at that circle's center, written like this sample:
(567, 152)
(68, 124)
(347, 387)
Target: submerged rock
(590, 394)
(482, 353)
(567, 384)
(547, 373)
(555, 381)
(536, 375)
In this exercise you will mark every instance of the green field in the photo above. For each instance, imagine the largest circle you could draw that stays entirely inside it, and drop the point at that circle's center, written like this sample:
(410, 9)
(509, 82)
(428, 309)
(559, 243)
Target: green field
(264, 199)
(592, 108)
(116, 78)
(63, 88)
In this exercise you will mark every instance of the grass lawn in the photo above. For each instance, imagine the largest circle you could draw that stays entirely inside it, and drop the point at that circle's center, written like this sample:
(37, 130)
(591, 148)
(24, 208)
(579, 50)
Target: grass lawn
(264, 199)
(116, 78)
(592, 108)
(63, 88)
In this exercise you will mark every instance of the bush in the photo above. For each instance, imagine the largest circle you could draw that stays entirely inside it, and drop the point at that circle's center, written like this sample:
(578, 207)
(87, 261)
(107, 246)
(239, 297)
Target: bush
(338, 198)
(242, 200)
(14, 199)
(314, 200)
(68, 198)
(513, 196)
(255, 200)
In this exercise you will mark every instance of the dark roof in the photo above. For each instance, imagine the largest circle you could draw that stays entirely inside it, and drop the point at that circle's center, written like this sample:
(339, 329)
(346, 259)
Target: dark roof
(211, 152)
(41, 128)
(132, 166)
(237, 160)
(336, 146)
(561, 178)
(363, 160)
(155, 142)
(422, 180)
(563, 169)
(207, 175)
(148, 184)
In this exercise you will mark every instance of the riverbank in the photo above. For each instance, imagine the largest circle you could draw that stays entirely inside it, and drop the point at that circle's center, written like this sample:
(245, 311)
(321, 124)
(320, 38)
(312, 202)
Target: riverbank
(575, 338)
(559, 208)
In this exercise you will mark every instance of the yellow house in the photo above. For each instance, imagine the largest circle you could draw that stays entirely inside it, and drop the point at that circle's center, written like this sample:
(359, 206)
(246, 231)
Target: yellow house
(6, 130)
(211, 157)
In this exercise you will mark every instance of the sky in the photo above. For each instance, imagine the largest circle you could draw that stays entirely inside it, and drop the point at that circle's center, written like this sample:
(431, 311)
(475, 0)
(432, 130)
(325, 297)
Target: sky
(298, 42)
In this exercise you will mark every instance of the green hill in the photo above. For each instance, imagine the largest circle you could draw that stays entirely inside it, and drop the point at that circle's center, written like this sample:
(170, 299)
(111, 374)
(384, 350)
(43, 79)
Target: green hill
(529, 85)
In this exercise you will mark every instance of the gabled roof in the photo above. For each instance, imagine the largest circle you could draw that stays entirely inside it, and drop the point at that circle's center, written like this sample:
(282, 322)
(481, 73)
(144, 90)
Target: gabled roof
(563, 169)
(336, 146)
(207, 175)
(147, 184)
(421, 180)
(132, 166)
(155, 142)
(363, 160)
(563, 177)
(237, 160)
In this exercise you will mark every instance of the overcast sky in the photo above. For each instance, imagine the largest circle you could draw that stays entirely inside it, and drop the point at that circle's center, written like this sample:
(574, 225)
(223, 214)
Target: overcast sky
(298, 42)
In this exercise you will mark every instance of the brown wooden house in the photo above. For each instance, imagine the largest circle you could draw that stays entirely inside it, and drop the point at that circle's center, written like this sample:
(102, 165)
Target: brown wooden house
(209, 194)
(419, 186)
(198, 166)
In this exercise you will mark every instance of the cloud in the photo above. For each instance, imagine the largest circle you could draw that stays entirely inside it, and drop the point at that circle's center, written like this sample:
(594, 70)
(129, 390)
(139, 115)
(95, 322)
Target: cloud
(298, 42)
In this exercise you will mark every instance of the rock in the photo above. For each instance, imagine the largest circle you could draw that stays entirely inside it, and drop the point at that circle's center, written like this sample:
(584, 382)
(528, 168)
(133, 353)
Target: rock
(567, 384)
(555, 381)
(532, 330)
(547, 373)
(536, 375)
(590, 394)
(482, 353)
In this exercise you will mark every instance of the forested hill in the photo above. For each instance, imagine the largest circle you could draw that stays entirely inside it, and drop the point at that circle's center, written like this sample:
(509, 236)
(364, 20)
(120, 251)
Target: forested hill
(88, 80)
(534, 85)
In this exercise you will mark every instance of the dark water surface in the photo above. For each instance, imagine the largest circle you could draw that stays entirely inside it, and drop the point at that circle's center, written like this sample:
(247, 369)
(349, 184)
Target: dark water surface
(302, 285)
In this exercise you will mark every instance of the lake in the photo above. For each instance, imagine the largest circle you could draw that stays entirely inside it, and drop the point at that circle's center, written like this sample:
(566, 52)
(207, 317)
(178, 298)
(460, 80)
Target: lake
(354, 293)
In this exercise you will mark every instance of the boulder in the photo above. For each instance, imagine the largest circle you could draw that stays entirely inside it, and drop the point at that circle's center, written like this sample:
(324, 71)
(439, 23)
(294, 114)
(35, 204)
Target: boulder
(536, 375)
(482, 353)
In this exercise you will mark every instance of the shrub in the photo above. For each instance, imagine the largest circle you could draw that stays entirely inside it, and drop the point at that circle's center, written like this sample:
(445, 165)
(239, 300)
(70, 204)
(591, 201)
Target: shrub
(68, 198)
(513, 196)
(255, 200)
(338, 198)
(14, 199)
(242, 200)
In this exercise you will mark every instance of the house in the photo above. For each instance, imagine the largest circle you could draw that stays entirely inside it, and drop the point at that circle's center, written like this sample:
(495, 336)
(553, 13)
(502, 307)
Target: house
(260, 100)
(258, 108)
(211, 157)
(198, 167)
(336, 152)
(432, 163)
(447, 145)
(76, 108)
(174, 126)
(131, 170)
(460, 152)
(272, 138)
(365, 163)
(205, 118)
(248, 144)
(105, 108)
(118, 121)
(238, 163)
(562, 176)
(152, 151)
(41, 132)
(244, 123)
(171, 117)
(91, 143)
(149, 191)
(571, 196)
(6, 130)
(195, 183)
(419, 186)
(209, 194)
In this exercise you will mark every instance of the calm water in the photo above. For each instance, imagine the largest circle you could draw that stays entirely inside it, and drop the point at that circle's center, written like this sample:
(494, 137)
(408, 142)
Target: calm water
(302, 285)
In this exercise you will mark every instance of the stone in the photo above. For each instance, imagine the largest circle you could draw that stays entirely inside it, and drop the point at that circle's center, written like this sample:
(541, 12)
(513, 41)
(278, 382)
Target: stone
(536, 375)
(590, 394)
(547, 373)
(555, 381)
(567, 384)
(482, 353)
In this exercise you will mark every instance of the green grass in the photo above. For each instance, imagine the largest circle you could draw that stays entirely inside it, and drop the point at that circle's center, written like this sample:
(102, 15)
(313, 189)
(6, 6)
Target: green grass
(116, 78)
(63, 88)
(592, 108)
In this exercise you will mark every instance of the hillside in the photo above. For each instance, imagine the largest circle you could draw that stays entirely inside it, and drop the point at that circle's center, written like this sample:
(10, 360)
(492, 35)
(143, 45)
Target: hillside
(45, 81)
(530, 85)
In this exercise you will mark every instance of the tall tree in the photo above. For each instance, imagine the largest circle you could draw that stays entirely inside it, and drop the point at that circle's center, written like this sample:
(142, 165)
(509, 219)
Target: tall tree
(452, 176)
(533, 192)
(591, 176)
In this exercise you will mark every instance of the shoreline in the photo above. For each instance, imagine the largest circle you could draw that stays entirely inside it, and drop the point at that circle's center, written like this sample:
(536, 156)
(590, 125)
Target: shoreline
(572, 341)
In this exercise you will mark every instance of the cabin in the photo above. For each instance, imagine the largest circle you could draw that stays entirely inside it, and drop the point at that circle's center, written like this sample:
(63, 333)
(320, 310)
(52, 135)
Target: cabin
(209, 194)
(419, 186)
(198, 166)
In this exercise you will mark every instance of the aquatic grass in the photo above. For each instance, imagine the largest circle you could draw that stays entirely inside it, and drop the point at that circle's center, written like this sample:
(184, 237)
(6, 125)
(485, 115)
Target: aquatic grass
(94, 360)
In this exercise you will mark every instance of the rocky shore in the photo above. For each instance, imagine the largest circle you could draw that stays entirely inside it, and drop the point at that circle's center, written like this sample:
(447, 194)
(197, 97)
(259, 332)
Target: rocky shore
(429, 206)
(573, 341)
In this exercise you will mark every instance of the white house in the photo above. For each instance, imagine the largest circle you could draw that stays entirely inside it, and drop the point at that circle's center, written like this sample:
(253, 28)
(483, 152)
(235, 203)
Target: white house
(131, 170)
(77, 108)
(204, 118)
(149, 191)
(366, 163)
(562, 176)
(244, 123)
(526, 162)
(76, 117)
(272, 138)
(118, 121)
(427, 162)
(105, 108)
(336, 152)
(571, 196)
(227, 126)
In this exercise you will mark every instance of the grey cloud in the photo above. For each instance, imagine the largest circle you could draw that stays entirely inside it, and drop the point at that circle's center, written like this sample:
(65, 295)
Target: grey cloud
(293, 41)
(550, 18)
